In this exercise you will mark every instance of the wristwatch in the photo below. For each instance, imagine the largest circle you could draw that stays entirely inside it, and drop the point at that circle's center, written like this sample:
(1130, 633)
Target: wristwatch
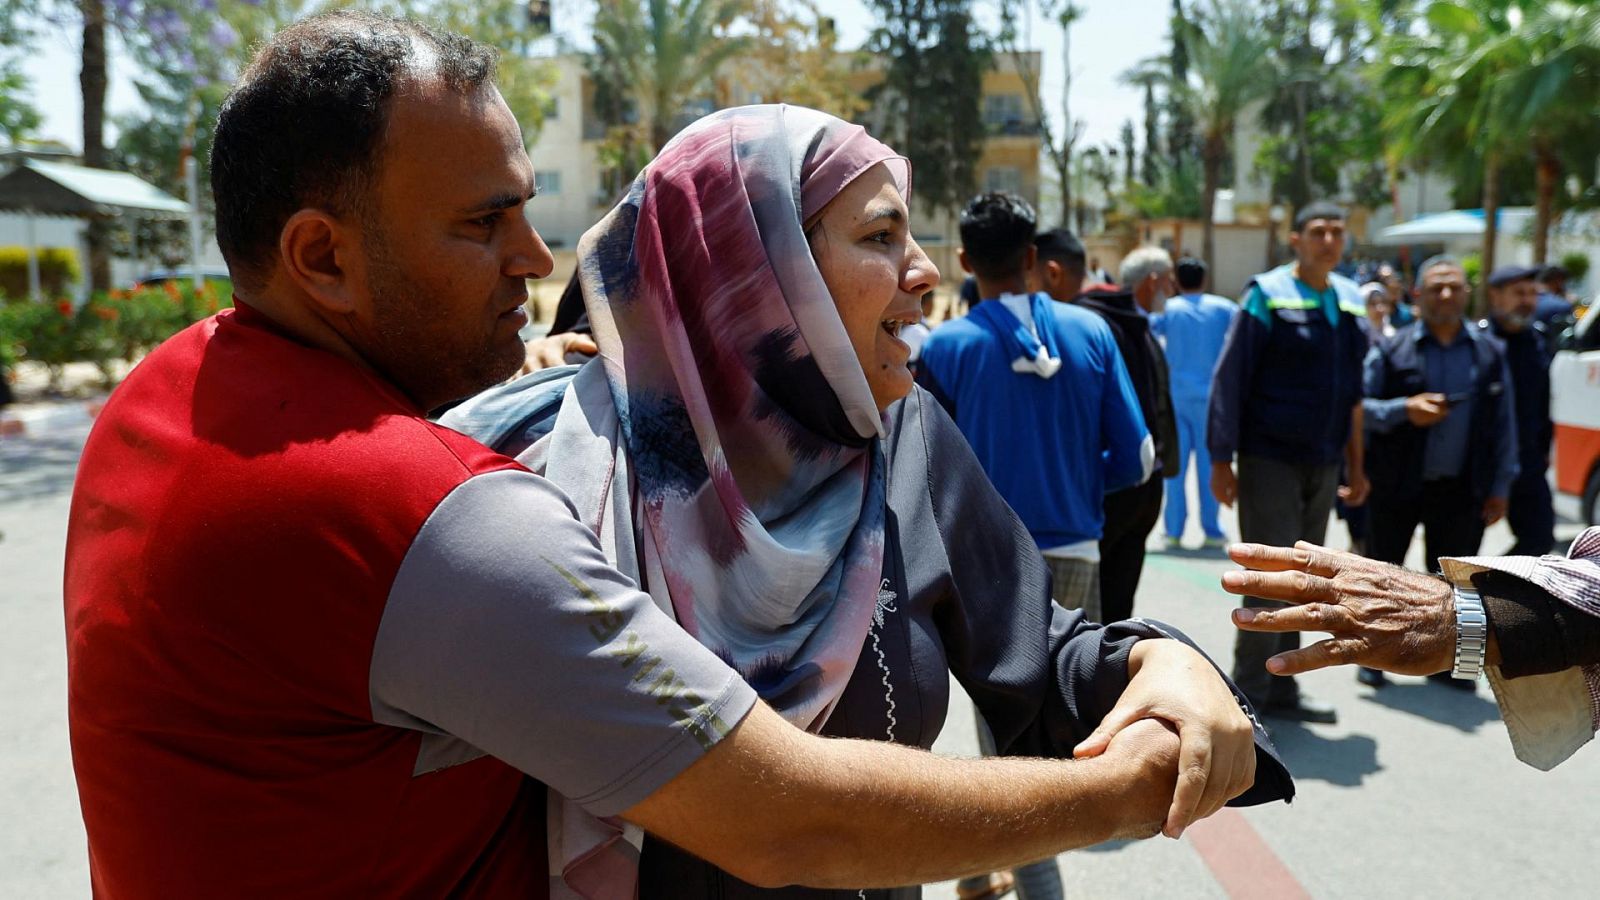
(1472, 635)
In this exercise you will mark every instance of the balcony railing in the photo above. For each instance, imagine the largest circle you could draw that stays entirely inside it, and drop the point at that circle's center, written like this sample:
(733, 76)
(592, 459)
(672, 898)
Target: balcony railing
(1012, 127)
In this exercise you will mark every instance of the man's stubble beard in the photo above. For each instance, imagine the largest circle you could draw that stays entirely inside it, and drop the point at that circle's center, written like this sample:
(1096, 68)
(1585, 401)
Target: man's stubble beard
(410, 351)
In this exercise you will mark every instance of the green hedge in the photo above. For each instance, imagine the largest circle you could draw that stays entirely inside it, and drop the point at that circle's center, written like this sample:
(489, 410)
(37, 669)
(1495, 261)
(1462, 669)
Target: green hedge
(121, 325)
(1576, 264)
(58, 271)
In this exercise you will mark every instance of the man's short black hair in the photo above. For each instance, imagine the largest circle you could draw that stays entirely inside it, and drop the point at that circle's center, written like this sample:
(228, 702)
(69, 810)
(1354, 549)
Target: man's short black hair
(1553, 273)
(303, 126)
(1062, 246)
(1320, 209)
(996, 229)
(1191, 273)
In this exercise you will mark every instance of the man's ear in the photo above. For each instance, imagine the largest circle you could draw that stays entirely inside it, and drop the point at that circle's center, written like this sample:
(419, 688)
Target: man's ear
(961, 257)
(315, 248)
(1053, 273)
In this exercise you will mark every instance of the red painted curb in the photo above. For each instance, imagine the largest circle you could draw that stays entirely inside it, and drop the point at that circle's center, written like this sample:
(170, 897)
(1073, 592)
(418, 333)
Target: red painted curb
(1241, 861)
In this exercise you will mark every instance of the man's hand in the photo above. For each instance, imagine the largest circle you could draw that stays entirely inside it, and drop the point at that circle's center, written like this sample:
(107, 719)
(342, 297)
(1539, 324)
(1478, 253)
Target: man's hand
(1494, 509)
(1381, 616)
(1426, 409)
(1148, 750)
(551, 351)
(1217, 758)
(1354, 492)
(1224, 486)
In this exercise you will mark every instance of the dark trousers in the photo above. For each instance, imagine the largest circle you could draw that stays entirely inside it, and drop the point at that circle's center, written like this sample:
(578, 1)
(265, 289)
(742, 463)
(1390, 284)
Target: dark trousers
(1279, 503)
(1532, 515)
(1130, 516)
(1451, 520)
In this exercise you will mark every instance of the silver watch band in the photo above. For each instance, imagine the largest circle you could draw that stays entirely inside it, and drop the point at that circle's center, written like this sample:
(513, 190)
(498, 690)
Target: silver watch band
(1472, 635)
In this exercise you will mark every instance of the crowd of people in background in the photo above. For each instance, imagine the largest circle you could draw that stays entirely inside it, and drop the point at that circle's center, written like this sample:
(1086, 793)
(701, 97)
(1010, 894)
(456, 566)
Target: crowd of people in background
(682, 621)
(1326, 385)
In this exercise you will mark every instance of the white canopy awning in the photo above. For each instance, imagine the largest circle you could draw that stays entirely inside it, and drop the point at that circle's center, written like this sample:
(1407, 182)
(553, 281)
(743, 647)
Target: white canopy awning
(1454, 225)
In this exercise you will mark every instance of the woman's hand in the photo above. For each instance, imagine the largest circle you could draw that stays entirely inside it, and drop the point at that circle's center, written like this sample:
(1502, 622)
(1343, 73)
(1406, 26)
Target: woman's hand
(551, 351)
(1217, 752)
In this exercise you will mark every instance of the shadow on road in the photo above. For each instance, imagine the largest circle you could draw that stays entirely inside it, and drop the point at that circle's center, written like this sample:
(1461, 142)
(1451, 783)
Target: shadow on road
(1459, 709)
(1345, 761)
(39, 467)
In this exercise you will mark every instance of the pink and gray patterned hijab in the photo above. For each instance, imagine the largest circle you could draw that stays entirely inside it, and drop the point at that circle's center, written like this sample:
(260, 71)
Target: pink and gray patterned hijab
(725, 445)
(751, 433)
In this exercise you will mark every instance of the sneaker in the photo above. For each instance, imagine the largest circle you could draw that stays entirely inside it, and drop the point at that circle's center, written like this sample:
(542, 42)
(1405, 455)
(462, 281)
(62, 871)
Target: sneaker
(1215, 543)
(1171, 543)
(1372, 678)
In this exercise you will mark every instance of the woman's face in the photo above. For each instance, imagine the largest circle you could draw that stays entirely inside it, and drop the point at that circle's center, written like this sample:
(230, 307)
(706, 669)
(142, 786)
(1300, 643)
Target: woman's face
(876, 274)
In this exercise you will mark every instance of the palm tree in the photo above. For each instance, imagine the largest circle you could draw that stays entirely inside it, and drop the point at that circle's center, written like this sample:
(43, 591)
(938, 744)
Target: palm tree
(663, 54)
(92, 81)
(1555, 85)
(1148, 75)
(1230, 68)
(1447, 98)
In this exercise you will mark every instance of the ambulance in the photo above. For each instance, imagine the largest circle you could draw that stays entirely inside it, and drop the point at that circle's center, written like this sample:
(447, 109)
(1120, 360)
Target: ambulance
(1575, 407)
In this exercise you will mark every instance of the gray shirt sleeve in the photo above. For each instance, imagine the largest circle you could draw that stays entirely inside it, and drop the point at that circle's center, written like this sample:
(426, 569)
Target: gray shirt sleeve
(507, 632)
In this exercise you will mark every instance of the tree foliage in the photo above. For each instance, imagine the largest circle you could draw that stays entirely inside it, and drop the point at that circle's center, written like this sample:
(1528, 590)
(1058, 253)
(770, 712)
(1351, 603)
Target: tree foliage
(935, 57)
(793, 57)
(1058, 138)
(654, 59)
(1227, 57)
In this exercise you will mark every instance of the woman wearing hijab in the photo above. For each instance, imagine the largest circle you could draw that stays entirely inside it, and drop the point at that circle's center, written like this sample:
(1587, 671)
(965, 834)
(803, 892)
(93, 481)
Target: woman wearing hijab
(749, 447)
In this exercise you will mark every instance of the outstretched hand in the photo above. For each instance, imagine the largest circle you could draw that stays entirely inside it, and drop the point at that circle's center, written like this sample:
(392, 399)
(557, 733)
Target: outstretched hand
(1216, 752)
(1379, 615)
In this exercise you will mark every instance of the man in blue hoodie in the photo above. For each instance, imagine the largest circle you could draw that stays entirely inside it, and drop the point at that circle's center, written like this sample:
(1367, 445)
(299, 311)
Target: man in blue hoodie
(1039, 390)
(1042, 394)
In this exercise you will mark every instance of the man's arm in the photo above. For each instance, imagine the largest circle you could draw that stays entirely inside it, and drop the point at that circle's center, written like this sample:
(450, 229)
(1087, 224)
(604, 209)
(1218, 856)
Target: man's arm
(1506, 466)
(1229, 380)
(1380, 414)
(1355, 489)
(507, 633)
(774, 805)
(1391, 618)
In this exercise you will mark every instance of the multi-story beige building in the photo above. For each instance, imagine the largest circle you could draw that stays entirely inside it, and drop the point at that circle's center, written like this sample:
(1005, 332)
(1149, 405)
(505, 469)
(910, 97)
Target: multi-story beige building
(571, 178)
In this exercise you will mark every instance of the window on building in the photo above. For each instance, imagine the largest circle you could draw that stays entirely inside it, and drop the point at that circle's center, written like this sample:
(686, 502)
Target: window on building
(1003, 113)
(552, 109)
(548, 183)
(1003, 178)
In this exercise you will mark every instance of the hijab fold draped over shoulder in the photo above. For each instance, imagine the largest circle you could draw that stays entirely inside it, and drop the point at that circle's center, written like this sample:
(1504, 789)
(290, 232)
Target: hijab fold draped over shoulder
(725, 446)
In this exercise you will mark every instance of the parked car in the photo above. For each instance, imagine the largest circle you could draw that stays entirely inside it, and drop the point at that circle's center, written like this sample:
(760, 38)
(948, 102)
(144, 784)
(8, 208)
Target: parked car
(1575, 407)
(182, 273)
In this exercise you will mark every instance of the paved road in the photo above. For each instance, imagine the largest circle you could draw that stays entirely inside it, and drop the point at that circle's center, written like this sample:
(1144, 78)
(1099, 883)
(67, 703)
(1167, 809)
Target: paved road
(1414, 794)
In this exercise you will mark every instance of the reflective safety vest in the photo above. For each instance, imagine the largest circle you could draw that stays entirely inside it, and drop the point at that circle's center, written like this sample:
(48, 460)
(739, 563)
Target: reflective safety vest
(1307, 372)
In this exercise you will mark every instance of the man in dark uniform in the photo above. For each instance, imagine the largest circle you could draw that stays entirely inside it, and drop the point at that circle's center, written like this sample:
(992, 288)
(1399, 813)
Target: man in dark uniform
(1286, 398)
(1513, 296)
(1441, 429)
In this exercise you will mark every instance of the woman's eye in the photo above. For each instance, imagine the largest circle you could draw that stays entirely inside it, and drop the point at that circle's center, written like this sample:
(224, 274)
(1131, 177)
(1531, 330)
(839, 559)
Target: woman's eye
(881, 237)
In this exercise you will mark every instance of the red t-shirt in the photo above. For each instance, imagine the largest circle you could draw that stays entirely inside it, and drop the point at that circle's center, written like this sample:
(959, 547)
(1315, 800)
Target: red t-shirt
(236, 523)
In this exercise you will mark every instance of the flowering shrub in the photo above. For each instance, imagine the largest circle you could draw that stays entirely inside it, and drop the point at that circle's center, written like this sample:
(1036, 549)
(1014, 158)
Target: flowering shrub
(120, 325)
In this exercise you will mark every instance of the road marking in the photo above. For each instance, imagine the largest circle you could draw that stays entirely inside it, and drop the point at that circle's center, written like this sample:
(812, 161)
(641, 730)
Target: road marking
(1240, 859)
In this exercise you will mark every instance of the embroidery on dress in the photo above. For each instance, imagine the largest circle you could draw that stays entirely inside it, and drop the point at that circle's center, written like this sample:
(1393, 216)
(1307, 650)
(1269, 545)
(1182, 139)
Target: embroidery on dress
(886, 599)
